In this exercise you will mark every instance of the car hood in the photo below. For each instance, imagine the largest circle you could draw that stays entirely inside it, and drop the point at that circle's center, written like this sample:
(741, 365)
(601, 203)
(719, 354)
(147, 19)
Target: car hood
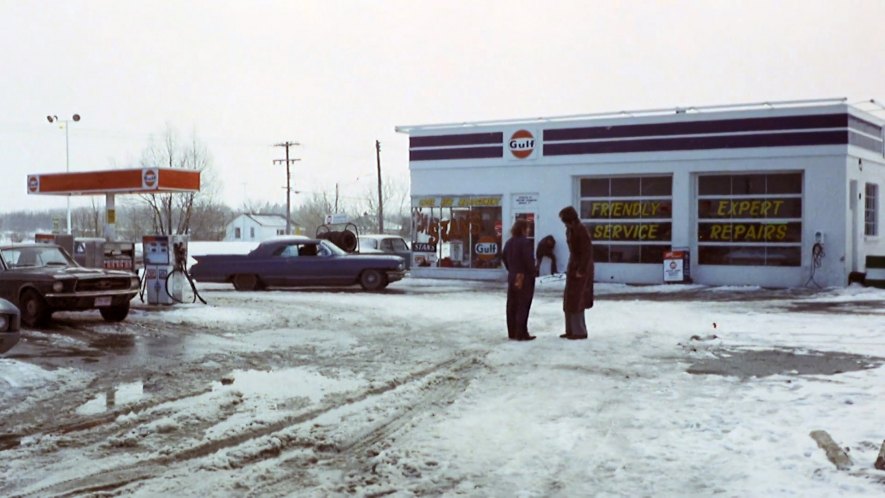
(77, 271)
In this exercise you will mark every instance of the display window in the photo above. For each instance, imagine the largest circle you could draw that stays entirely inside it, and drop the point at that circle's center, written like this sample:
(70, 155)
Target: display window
(750, 219)
(456, 231)
(629, 218)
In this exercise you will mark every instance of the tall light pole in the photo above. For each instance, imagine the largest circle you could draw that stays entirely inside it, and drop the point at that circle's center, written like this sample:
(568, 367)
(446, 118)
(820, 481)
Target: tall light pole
(54, 119)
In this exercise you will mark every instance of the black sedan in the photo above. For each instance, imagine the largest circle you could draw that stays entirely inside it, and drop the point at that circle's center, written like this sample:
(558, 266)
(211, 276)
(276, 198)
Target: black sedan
(298, 262)
(9, 325)
(42, 278)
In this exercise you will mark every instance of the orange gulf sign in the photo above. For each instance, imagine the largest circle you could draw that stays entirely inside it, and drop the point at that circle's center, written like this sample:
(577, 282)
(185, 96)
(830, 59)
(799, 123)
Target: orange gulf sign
(522, 143)
(149, 180)
(486, 248)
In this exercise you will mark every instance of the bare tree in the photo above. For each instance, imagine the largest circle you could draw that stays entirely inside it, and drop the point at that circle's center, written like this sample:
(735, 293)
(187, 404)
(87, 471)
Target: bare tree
(172, 213)
(312, 213)
(134, 219)
(88, 220)
(397, 205)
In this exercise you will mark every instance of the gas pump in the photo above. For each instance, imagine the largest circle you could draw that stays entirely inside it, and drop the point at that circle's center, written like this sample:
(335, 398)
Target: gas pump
(160, 253)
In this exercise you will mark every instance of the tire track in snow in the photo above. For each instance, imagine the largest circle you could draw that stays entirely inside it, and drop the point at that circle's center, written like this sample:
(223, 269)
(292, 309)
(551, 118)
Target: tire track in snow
(111, 479)
(358, 453)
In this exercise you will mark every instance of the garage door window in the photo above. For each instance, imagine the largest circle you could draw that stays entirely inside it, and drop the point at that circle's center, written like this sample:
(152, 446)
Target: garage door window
(629, 218)
(753, 219)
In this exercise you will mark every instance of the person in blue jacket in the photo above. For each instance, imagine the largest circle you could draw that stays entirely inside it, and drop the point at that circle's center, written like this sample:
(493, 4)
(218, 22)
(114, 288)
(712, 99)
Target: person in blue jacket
(519, 259)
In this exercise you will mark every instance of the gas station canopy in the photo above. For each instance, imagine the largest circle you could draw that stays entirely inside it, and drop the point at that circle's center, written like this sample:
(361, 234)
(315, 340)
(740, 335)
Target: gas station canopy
(129, 181)
(113, 182)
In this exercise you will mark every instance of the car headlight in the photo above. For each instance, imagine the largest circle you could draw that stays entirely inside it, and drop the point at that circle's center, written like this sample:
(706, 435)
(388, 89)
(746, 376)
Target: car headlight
(4, 323)
(400, 267)
(58, 286)
(135, 282)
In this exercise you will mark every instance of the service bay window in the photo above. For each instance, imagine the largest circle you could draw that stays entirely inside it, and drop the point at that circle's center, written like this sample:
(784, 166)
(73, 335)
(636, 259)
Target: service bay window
(629, 218)
(457, 231)
(871, 210)
(750, 219)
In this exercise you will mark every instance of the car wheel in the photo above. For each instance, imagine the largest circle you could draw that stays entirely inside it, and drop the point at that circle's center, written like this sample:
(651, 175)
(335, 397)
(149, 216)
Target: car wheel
(35, 312)
(115, 313)
(245, 282)
(372, 280)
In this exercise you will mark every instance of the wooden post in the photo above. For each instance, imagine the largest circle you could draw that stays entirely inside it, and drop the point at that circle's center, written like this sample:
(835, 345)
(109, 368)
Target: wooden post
(835, 454)
(880, 461)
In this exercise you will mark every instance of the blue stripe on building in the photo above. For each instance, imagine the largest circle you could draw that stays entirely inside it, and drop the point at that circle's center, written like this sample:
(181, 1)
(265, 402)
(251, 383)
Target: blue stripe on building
(457, 153)
(777, 131)
(719, 126)
(492, 138)
(698, 143)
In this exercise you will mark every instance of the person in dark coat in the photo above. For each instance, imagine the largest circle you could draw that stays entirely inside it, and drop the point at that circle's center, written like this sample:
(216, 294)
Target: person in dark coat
(518, 257)
(578, 295)
(545, 250)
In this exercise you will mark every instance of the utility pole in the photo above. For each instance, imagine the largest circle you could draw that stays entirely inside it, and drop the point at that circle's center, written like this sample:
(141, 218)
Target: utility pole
(288, 163)
(380, 204)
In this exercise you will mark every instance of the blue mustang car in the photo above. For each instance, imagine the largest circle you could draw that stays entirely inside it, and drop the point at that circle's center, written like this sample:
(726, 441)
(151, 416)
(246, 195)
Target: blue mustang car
(298, 262)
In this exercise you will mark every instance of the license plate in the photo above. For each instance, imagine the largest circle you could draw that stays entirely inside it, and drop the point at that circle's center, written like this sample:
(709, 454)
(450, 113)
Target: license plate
(102, 301)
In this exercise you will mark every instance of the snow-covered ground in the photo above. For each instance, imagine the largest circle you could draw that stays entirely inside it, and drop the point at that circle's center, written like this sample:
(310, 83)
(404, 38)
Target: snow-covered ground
(680, 391)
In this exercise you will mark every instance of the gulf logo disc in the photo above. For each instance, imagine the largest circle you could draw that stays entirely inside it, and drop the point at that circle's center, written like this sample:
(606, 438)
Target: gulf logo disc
(149, 178)
(522, 144)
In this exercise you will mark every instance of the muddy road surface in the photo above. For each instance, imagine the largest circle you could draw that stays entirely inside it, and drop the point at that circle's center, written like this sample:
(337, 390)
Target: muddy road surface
(337, 392)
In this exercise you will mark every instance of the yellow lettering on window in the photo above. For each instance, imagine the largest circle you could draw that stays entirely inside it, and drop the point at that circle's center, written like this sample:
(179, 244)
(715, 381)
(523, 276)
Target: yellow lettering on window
(781, 232)
(755, 206)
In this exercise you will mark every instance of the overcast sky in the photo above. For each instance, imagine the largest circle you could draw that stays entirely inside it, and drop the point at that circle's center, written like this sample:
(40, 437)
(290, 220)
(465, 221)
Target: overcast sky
(338, 75)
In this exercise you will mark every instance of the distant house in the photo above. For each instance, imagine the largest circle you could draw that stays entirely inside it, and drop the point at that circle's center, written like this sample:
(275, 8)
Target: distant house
(256, 227)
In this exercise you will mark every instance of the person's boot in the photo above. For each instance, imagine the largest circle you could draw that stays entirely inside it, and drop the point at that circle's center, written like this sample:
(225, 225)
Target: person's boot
(568, 328)
(577, 326)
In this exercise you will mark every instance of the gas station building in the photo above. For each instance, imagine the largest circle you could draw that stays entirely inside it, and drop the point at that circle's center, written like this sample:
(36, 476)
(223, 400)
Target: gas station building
(780, 194)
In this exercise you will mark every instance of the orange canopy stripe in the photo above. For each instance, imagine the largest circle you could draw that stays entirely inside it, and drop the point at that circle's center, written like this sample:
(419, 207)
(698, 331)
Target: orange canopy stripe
(119, 180)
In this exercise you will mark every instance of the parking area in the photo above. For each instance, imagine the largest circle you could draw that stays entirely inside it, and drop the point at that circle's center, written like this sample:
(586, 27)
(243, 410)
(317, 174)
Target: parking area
(416, 390)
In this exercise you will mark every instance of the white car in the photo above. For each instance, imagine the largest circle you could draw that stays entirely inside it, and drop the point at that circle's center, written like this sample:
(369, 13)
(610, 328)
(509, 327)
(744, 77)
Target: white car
(386, 244)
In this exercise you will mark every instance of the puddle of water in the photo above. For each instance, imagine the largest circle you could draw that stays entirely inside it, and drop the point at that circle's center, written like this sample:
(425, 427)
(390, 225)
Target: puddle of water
(755, 363)
(120, 395)
(288, 383)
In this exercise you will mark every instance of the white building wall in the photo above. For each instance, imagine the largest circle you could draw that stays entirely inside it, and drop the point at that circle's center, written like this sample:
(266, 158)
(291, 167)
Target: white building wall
(250, 230)
(864, 168)
(827, 171)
